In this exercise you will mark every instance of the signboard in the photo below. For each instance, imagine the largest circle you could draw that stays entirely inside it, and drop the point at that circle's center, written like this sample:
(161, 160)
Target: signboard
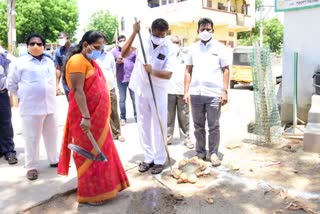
(288, 5)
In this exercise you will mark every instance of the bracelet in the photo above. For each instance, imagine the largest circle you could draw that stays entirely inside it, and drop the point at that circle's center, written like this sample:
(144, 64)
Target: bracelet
(86, 118)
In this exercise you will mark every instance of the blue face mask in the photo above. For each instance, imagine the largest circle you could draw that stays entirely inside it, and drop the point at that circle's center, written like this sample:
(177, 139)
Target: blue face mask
(95, 54)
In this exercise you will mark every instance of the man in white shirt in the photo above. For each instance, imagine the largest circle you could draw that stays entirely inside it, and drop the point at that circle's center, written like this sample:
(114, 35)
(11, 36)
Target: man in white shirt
(160, 56)
(6, 133)
(206, 85)
(32, 78)
(108, 66)
(176, 104)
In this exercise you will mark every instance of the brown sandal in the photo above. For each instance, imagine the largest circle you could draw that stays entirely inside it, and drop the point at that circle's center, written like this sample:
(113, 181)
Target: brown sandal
(32, 174)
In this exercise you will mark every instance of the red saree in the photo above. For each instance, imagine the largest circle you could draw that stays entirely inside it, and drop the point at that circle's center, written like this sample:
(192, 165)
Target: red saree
(97, 181)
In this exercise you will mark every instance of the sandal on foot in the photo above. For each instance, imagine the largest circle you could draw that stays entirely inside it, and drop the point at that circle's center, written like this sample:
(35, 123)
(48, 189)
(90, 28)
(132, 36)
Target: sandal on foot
(121, 138)
(32, 174)
(143, 166)
(157, 169)
(215, 160)
(11, 158)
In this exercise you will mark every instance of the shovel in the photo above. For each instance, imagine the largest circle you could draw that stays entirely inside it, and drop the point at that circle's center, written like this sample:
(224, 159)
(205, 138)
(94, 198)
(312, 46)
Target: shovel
(87, 154)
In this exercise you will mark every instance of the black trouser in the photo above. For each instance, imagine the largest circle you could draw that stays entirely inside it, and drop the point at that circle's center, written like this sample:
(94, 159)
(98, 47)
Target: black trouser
(6, 130)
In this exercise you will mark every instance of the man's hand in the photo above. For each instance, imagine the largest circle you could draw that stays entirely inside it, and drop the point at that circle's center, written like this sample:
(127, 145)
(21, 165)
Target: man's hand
(148, 68)
(136, 27)
(186, 98)
(224, 98)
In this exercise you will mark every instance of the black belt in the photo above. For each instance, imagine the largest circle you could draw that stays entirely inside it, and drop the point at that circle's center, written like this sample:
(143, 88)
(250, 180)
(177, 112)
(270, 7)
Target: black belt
(3, 91)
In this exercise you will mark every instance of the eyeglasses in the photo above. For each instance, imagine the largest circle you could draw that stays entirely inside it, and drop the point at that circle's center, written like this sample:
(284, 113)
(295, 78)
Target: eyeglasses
(35, 43)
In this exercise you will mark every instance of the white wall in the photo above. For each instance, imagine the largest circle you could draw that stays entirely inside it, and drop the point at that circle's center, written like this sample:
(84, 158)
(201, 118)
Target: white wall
(301, 34)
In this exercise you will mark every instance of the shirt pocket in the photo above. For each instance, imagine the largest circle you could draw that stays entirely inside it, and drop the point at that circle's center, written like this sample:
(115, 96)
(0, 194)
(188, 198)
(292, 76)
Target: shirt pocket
(158, 64)
(213, 60)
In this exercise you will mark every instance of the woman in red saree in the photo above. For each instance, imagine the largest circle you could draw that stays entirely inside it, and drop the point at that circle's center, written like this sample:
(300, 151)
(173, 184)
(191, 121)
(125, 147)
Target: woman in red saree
(89, 109)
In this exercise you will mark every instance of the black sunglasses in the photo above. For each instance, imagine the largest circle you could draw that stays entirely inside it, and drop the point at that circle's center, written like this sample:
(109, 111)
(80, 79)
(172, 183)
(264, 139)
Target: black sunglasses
(35, 43)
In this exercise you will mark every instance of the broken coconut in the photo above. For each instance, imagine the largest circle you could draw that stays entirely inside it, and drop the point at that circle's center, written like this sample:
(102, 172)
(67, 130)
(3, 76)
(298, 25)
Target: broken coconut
(189, 170)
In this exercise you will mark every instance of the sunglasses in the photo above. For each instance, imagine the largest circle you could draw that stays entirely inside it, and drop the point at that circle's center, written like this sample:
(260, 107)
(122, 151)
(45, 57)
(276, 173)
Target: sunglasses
(35, 43)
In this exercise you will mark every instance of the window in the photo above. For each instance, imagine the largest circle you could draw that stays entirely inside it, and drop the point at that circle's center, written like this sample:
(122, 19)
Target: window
(171, 1)
(181, 0)
(241, 59)
(231, 44)
(153, 3)
(163, 2)
(231, 34)
(209, 3)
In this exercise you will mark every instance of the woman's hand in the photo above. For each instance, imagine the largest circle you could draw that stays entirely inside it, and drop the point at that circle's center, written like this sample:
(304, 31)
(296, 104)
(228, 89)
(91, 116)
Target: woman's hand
(85, 125)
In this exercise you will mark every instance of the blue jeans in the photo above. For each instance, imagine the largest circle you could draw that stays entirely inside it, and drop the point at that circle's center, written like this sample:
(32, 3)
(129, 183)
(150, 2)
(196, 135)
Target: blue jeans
(122, 86)
(206, 108)
(6, 133)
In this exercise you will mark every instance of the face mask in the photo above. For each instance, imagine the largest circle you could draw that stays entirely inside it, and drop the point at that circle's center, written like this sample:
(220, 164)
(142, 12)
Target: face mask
(95, 54)
(62, 42)
(35, 50)
(157, 40)
(205, 35)
(121, 44)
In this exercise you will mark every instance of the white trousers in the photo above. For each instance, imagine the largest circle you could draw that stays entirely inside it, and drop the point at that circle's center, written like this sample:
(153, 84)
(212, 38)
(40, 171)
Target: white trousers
(150, 135)
(32, 128)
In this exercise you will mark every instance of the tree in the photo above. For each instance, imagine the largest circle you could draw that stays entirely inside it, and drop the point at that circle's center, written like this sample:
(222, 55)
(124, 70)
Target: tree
(103, 21)
(272, 34)
(47, 17)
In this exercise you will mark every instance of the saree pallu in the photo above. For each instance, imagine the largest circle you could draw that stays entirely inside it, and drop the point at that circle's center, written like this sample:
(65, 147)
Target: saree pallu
(97, 180)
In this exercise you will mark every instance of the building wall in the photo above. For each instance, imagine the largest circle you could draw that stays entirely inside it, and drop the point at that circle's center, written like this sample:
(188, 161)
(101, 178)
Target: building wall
(301, 34)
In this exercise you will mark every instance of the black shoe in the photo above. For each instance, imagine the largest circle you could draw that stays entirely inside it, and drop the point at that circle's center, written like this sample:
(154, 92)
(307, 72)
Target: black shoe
(11, 158)
(54, 165)
(143, 166)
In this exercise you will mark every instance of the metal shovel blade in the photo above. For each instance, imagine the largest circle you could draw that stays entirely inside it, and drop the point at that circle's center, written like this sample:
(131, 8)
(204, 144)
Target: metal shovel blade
(81, 151)
(86, 154)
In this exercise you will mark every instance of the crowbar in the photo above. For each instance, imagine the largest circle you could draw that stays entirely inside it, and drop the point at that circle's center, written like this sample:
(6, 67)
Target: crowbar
(155, 101)
(87, 154)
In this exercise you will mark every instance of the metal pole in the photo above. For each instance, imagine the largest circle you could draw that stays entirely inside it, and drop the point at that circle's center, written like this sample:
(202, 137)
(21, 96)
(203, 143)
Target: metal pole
(295, 86)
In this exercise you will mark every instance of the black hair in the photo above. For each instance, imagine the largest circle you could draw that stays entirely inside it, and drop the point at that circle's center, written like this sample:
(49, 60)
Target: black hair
(160, 25)
(64, 34)
(37, 35)
(204, 21)
(121, 37)
(90, 37)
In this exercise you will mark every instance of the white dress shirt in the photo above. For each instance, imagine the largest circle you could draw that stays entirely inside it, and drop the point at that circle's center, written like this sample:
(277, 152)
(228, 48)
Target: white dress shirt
(108, 66)
(34, 82)
(176, 83)
(207, 61)
(161, 58)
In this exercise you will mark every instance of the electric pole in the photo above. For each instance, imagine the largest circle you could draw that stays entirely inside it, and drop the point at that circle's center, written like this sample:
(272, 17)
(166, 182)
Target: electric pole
(11, 22)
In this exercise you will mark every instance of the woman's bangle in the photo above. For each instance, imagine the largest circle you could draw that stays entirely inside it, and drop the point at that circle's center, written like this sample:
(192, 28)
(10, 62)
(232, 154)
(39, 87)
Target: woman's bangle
(86, 118)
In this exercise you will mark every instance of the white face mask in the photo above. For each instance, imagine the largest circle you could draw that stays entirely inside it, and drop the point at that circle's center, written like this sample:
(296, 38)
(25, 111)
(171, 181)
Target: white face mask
(62, 42)
(157, 40)
(205, 35)
(121, 44)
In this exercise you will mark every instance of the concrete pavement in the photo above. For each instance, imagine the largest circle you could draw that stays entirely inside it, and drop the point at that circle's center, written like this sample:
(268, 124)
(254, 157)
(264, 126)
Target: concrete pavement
(18, 194)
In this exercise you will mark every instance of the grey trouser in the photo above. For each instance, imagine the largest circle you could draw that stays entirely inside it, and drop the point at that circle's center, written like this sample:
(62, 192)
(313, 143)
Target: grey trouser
(177, 105)
(203, 108)
(114, 116)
